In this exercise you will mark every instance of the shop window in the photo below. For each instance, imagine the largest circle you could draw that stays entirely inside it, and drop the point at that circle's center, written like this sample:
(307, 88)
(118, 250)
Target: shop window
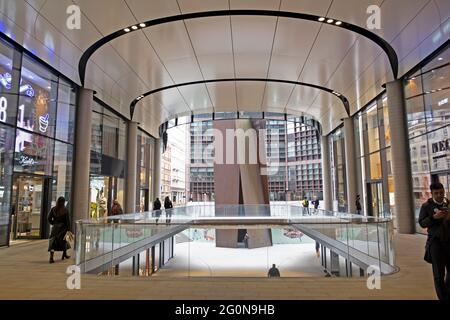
(37, 99)
(65, 123)
(8, 85)
(62, 170)
(33, 153)
(6, 165)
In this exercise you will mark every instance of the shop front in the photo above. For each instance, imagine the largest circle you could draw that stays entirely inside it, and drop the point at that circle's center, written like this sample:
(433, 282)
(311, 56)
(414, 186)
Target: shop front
(108, 165)
(37, 117)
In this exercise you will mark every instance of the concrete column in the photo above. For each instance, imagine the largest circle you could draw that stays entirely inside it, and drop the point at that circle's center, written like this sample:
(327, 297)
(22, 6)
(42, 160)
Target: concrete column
(82, 159)
(156, 192)
(326, 173)
(401, 165)
(350, 164)
(130, 196)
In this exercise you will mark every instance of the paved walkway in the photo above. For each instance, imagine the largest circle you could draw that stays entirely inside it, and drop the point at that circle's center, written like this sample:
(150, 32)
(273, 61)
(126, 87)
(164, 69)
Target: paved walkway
(26, 274)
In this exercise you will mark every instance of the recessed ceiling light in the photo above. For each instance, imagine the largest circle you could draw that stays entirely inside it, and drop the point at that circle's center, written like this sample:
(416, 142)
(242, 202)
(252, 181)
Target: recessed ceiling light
(142, 25)
(321, 19)
(330, 20)
(338, 23)
(134, 27)
(440, 58)
(439, 89)
(126, 29)
(413, 78)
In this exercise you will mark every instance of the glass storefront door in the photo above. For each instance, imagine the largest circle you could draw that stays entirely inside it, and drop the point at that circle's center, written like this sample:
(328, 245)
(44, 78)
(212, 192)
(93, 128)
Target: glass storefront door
(375, 199)
(30, 205)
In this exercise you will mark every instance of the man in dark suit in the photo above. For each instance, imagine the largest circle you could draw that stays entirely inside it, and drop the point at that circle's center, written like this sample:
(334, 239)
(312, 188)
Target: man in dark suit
(434, 215)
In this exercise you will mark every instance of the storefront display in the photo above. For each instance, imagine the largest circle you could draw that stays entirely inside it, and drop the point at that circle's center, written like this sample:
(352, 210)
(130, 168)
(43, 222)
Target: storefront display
(37, 116)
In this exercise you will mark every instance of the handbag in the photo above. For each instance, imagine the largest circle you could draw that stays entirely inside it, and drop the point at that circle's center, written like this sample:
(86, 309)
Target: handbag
(427, 256)
(69, 238)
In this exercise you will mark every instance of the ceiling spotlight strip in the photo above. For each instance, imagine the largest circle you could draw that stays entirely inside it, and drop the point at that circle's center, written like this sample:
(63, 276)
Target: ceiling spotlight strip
(390, 52)
(337, 94)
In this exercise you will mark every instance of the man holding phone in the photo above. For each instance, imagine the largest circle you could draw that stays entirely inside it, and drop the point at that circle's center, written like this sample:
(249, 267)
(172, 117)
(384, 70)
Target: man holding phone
(435, 216)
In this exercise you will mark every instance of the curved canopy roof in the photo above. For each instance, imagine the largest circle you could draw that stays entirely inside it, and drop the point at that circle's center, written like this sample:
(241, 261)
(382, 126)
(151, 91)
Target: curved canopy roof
(186, 56)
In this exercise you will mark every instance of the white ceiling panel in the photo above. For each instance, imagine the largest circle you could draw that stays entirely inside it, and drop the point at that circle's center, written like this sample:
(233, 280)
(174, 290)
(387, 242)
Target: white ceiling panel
(189, 6)
(173, 46)
(210, 35)
(315, 7)
(171, 99)
(47, 34)
(104, 58)
(302, 97)
(424, 24)
(223, 95)
(276, 95)
(145, 10)
(196, 96)
(362, 55)
(211, 48)
(34, 3)
(22, 13)
(217, 66)
(443, 8)
(325, 100)
(392, 22)
(55, 11)
(139, 54)
(184, 70)
(431, 43)
(352, 11)
(211, 40)
(321, 64)
(291, 47)
(379, 72)
(249, 95)
(255, 4)
(170, 40)
(115, 14)
(252, 41)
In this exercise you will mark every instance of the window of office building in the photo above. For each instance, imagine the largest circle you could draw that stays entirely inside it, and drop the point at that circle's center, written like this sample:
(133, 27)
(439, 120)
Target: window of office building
(427, 102)
(372, 145)
(338, 174)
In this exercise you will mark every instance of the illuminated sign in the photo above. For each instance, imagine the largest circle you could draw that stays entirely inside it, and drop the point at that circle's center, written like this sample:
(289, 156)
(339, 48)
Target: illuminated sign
(26, 161)
(6, 80)
(443, 101)
(43, 123)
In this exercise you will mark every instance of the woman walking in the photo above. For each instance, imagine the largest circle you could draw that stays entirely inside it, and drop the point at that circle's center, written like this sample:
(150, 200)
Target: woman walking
(60, 220)
(168, 206)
